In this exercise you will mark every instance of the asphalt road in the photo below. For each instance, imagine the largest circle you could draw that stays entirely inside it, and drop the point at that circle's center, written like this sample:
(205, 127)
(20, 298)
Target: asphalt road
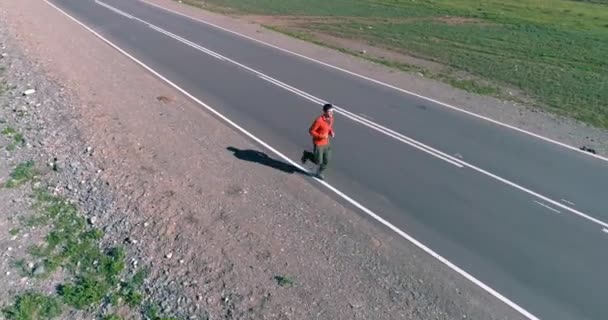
(522, 215)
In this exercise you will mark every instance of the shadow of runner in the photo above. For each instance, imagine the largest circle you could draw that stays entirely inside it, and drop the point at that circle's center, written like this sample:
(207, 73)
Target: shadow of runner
(264, 159)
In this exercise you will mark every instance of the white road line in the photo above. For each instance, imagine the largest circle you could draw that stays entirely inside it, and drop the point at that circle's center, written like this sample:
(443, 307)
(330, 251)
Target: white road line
(116, 10)
(546, 206)
(391, 133)
(416, 144)
(568, 202)
(325, 184)
(366, 122)
(540, 196)
(605, 230)
(190, 43)
(358, 119)
(366, 117)
(165, 32)
(381, 83)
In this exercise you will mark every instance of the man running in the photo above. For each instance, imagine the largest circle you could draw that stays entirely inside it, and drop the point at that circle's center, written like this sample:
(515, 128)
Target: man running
(321, 130)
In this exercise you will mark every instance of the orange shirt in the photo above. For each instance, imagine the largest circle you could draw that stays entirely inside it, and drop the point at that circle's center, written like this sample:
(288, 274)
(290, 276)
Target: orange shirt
(321, 127)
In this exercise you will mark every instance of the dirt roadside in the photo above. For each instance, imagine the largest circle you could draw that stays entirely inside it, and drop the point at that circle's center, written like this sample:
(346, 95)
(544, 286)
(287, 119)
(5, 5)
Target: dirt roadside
(221, 236)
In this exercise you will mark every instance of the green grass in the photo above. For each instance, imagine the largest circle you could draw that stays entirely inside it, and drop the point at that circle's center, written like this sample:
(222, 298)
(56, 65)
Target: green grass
(151, 312)
(96, 276)
(84, 293)
(33, 306)
(23, 173)
(465, 84)
(14, 231)
(552, 50)
(9, 131)
(74, 246)
(16, 137)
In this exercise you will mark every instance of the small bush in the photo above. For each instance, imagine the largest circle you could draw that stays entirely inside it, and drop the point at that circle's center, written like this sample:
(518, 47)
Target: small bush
(33, 306)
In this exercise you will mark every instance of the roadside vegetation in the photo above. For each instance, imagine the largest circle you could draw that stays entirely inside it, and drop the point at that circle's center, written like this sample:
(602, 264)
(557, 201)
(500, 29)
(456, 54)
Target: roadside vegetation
(17, 139)
(554, 51)
(97, 280)
(23, 173)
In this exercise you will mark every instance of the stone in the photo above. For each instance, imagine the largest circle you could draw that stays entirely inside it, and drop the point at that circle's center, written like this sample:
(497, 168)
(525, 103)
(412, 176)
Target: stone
(39, 270)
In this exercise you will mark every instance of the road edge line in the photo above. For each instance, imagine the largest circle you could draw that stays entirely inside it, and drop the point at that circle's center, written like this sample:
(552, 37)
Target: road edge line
(353, 202)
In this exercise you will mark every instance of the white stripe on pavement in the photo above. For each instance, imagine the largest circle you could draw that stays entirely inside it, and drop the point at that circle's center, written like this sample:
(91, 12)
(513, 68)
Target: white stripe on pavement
(388, 132)
(443, 260)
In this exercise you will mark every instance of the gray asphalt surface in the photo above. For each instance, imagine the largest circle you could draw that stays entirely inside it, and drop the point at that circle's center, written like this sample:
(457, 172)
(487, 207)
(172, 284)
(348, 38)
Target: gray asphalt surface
(552, 264)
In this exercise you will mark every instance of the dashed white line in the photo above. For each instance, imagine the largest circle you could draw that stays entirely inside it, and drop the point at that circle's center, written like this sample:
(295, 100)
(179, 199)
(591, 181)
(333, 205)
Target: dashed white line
(538, 136)
(548, 207)
(605, 230)
(391, 133)
(406, 236)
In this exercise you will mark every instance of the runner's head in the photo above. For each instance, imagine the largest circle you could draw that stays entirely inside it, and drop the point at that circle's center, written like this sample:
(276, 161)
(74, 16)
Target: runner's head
(328, 109)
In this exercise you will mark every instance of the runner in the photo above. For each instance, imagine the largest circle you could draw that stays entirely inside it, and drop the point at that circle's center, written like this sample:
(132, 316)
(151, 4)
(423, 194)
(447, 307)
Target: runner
(321, 131)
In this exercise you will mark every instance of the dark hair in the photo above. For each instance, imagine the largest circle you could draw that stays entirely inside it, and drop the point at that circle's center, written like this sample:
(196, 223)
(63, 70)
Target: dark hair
(327, 107)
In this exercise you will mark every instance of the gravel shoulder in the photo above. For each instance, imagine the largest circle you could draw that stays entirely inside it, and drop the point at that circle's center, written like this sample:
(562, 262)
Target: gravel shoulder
(223, 239)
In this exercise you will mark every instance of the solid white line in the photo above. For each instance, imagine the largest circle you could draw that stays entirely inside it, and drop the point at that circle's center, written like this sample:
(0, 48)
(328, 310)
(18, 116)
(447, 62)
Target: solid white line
(416, 144)
(293, 90)
(568, 202)
(189, 43)
(325, 184)
(605, 230)
(366, 122)
(381, 83)
(165, 32)
(362, 121)
(393, 134)
(366, 116)
(116, 10)
(546, 206)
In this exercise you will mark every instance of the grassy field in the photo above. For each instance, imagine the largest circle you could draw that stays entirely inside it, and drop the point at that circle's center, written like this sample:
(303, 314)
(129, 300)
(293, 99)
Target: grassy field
(555, 51)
